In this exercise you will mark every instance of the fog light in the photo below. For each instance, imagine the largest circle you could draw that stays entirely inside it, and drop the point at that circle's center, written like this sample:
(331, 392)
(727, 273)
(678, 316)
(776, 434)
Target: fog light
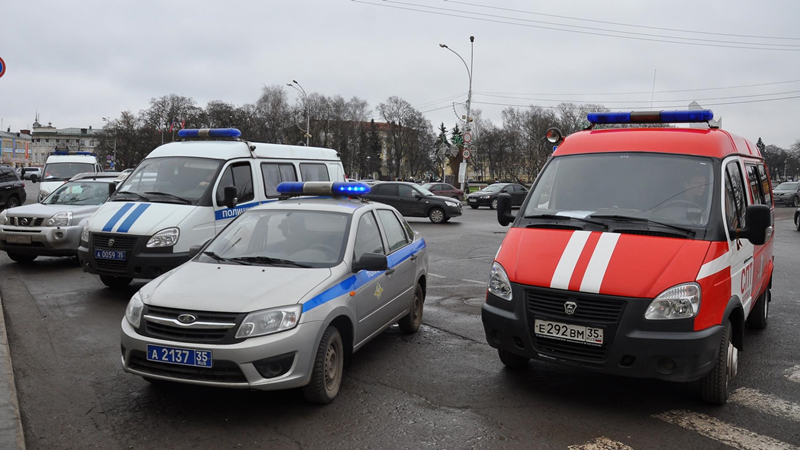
(59, 235)
(275, 366)
(666, 365)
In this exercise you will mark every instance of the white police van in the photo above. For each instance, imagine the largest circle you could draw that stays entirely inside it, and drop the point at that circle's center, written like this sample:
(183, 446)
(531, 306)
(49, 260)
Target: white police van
(183, 193)
(61, 166)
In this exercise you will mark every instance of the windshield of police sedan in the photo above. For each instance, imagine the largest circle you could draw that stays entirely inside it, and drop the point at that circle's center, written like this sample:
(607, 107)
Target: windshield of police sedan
(672, 189)
(283, 238)
(79, 193)
(181, 180)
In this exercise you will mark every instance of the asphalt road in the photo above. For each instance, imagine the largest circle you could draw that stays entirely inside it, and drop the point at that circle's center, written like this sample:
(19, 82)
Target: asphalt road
(441, 388)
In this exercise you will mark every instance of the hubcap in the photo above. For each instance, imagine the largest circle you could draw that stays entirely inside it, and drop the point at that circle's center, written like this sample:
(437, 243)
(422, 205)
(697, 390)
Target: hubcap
(416, 314)
(437, 215)
(494, 203)
(766, 305)
(331, 366)
(733, 361)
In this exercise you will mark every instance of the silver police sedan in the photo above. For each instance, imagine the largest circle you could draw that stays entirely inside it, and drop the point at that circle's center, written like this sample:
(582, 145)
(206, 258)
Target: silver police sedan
(282, 296)
(53, 227)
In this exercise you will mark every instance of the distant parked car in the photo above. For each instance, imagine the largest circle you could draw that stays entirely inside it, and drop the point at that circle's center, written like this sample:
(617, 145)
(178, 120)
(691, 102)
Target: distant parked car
(787, 193)
(445, 190)
(488, 195)
(12, 189)
(415, 201)
(29, 172)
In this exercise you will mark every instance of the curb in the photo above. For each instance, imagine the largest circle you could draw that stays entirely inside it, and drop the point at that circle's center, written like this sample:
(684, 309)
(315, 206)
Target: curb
(11, 434)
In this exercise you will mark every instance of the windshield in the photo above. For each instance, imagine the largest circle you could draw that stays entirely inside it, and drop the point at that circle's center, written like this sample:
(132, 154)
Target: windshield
(786, 187)
(282, 238)
(65, 171)
(425, 191)
(184, 177)
(79, 193)
(492, 188)
(673, 189)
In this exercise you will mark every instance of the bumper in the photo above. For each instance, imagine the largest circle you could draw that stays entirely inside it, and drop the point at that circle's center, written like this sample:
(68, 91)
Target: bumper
(235, 359)
(633, 346)
(476, 201)
(453, 211)
(140, 262)
(45, 241)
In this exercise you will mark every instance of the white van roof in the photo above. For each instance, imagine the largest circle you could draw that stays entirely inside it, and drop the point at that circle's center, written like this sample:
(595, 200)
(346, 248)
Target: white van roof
(71, 159)
(226, 150)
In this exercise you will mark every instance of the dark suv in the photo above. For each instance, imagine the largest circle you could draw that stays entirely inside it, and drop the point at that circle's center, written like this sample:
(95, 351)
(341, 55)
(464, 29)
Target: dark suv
(415, 201)
(12, 189)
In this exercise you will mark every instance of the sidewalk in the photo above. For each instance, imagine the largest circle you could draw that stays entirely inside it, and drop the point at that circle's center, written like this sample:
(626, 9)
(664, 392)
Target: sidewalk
(11, 436)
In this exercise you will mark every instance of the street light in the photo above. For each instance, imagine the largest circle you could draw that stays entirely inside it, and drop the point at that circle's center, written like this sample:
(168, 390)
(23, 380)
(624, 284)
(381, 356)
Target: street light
(108, 121)
(469, 94)
(294, 84)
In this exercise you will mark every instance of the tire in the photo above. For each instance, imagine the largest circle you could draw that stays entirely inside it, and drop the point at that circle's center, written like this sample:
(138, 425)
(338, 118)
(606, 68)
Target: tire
(326, 376)
(115, 282)
(411, 322)
(473, 206)
(795, 201)
(714, 386)
(436, 215)
(12, 202)
(759, 316)
(512, 360)
(797, 225)
(22, 259)
(494, 204)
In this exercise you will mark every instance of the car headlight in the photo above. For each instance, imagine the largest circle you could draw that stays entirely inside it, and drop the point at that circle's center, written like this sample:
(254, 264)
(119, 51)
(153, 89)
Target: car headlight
(134, 310)
(451, 204)
(164, 238)
(3, 218)
(85, 234)
(269, 321)
(678, 302)
(485, 196)
(498, 282)
(62, 219)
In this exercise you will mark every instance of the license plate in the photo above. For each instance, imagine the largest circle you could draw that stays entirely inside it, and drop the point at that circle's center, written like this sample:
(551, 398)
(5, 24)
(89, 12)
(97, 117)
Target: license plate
(113, 255)
(180, 356)
(472, 200)
(568, 332)
(18, 239)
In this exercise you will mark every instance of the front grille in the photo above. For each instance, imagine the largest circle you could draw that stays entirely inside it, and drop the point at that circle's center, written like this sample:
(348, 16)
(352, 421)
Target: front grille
(107, 265)
(121, 242)
(26, 221)
(598, 311)
(221, 371)
(196, 335)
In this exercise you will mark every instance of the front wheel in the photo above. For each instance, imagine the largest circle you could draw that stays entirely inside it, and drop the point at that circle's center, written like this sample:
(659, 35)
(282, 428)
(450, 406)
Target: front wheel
(796, 201)
(22, 259)
(714, 386)
(473, 206)
(760, 313)
(115, 282)
(411, 322)
(513, 360)
(797, 223)
(13, 202)
(326, 376)
(436, 215)
(494, 204)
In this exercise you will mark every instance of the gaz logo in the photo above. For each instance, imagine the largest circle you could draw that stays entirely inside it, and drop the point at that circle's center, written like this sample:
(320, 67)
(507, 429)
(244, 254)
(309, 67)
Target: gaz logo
(747, 278)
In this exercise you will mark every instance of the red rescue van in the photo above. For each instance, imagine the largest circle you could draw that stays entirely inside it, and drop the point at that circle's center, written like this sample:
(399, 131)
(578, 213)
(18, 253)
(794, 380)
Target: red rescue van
(642, 252)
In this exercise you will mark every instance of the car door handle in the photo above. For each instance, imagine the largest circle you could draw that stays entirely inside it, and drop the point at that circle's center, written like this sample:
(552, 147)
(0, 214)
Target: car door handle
(389, 271)
(414, 257)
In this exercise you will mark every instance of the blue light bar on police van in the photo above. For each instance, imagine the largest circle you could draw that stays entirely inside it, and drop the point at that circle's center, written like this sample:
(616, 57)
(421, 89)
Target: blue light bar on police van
(210, 133)
(686, 116)
(336, 188)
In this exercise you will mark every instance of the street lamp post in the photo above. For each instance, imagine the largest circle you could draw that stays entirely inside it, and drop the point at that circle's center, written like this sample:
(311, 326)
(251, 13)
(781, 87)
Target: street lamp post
(467, 127)
(106, 120)
(294, 84)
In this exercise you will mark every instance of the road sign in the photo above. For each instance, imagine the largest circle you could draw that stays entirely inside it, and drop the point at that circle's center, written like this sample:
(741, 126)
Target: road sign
(2, 67)
(462, 172)
(465, 154)
(443, 149)
(467, 137)
(454, 150)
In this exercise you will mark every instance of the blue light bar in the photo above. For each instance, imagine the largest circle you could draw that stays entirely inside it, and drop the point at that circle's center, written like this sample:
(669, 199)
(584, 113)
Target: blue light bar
(687, 116)
(336, 188)
(210, 133)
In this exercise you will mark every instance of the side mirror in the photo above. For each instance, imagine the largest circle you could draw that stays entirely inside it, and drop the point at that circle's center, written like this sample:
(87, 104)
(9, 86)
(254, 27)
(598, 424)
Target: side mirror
(112, 187)
(371, 262)
(504, 216)
(34, 178)
(758, 219)
(230, 196)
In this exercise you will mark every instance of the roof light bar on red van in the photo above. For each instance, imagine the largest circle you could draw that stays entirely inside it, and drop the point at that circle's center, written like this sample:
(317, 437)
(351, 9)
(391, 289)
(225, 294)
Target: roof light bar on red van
(687, 116)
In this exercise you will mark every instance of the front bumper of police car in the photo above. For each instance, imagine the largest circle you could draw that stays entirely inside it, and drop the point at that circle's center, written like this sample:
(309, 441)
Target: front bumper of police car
(281, 360)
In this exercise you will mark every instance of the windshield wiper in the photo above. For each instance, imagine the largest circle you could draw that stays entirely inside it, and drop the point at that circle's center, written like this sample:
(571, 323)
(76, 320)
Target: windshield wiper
(642, 219)
(188, 202)
(271, 261)
(559, 216)
(223, 259)
(135, 194)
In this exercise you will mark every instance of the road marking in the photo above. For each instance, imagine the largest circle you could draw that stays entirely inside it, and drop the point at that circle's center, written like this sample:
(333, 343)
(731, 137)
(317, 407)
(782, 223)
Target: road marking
(793, 374)
(755, 399)
(601, 443)
(437, 276)
(720, 431)
(474, 281)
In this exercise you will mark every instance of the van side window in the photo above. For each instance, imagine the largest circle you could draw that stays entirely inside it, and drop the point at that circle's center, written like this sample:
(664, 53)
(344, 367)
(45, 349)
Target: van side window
(314, 172)
(275, 174)
(241, 176)
(766, 188)
(735, 200)
(755, 185)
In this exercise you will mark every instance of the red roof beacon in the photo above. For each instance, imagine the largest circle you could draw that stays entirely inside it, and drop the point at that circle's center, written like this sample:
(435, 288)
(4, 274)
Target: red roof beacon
(640, 252)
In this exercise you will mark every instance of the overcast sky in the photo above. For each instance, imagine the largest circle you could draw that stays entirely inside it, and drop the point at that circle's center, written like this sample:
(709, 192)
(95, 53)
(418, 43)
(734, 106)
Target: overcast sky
(76, 62)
